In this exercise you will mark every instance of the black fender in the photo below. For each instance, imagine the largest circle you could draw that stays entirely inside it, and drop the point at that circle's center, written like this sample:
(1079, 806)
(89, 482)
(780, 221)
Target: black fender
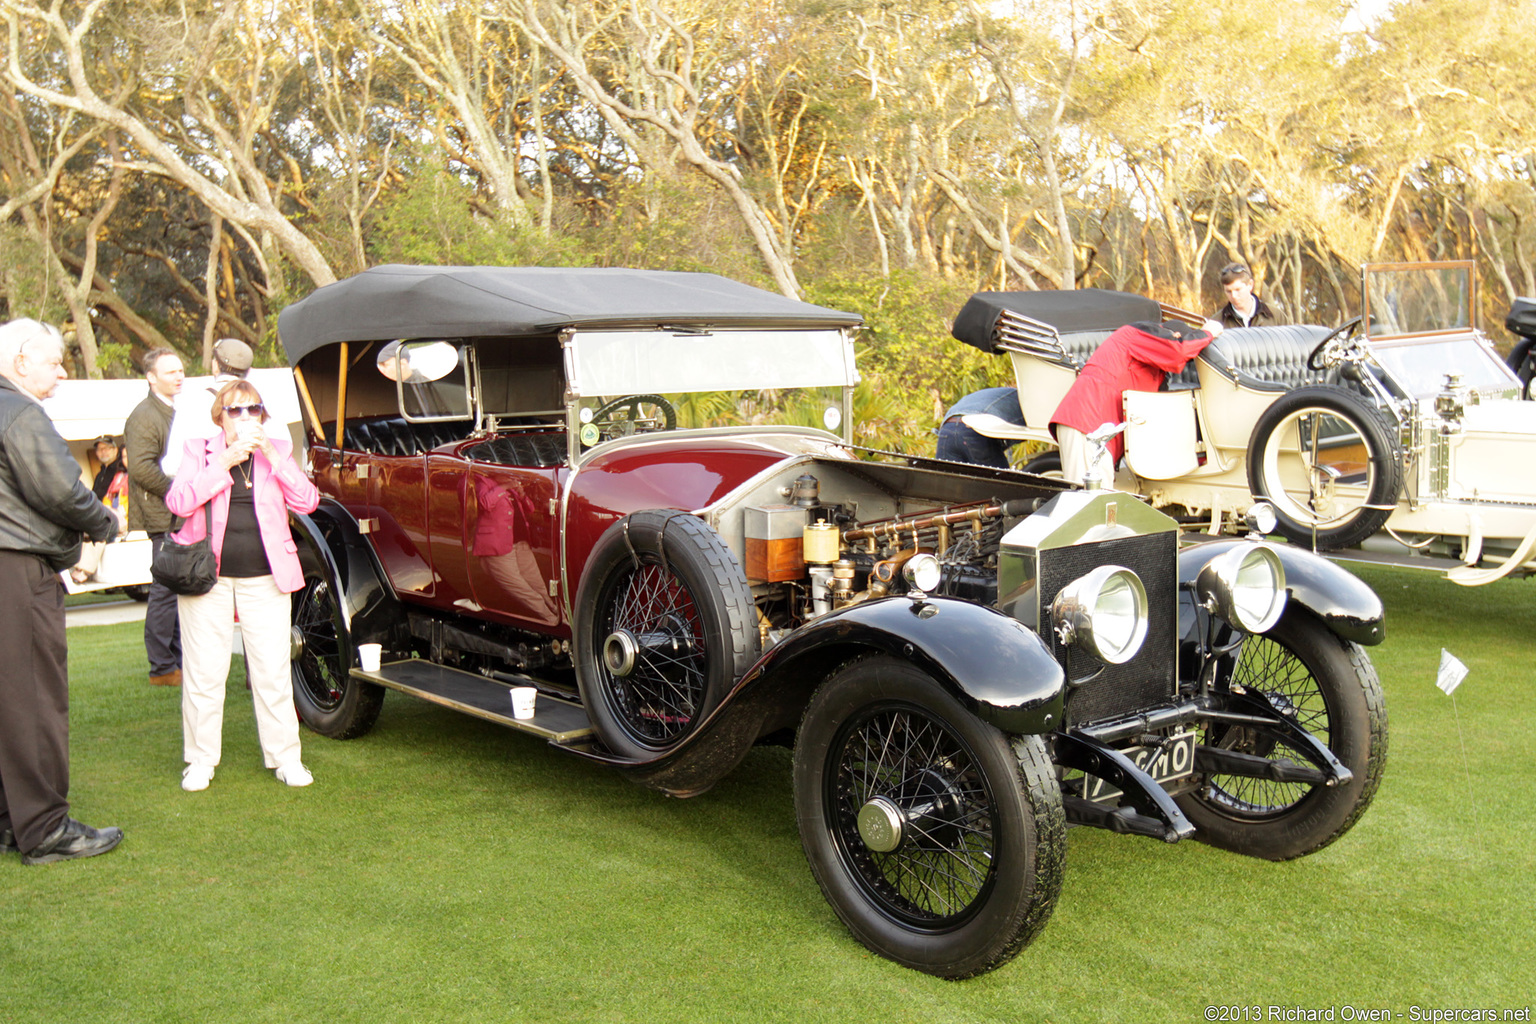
(1340, 600)
(994, 665)
(329, 541)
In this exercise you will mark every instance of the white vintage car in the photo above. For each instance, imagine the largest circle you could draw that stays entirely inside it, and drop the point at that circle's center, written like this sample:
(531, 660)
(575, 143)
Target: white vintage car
(1401, 434)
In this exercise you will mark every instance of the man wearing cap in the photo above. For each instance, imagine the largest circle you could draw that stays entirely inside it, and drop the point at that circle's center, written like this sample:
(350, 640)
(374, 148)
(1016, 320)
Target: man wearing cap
(44, 509)
(110, 457)
(232, 360)
(1135, 357)
(145, 437)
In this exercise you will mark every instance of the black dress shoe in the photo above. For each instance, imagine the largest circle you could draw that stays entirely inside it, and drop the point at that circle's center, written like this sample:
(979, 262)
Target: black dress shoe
(8, 842)
(71, 840)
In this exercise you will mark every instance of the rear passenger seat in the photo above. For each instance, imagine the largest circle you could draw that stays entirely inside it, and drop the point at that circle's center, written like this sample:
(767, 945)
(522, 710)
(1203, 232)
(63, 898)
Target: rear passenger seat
(394, 435)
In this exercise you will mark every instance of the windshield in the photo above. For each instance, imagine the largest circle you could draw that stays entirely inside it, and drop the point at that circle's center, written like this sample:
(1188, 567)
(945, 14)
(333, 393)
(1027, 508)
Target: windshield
(1419, 366)
(639, 381)
(668, 362)
(1413, 299)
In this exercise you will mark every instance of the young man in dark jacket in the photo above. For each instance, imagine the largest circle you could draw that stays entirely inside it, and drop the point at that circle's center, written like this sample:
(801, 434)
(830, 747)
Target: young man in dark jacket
(44, 510)
(145, 437)
(1243, 308)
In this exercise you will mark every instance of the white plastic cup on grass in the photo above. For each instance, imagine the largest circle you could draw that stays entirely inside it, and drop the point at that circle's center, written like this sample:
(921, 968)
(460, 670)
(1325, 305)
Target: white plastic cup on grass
(369, 655)
(523, 698)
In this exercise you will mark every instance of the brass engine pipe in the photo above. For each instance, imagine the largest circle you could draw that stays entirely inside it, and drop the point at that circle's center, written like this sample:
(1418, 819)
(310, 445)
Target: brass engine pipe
(897, 527)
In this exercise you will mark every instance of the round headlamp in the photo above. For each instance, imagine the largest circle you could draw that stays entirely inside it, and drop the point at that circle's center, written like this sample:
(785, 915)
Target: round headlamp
(1244, 585)
(922, 573)
(1104, 613)
(1261, 518)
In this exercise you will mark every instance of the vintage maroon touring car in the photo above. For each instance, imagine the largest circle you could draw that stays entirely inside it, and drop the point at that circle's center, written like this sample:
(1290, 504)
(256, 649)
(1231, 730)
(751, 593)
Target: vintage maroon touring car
(637, 492)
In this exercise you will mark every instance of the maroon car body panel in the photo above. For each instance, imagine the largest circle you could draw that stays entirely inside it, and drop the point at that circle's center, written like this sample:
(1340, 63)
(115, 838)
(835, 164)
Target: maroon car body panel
(430, 511)
(688, 473)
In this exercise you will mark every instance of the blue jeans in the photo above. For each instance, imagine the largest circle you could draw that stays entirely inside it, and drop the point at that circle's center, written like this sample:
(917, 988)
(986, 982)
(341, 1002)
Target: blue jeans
(959, 443)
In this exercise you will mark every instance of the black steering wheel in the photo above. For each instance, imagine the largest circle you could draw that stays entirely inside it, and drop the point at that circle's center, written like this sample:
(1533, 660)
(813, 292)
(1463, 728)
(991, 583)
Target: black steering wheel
(633, 414)
(1331, 349)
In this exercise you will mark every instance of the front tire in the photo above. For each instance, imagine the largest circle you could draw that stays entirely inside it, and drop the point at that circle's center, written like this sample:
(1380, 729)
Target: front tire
(1329, 463)
(1330, 688)
(665, 627)
(938, 839)
(329, 700)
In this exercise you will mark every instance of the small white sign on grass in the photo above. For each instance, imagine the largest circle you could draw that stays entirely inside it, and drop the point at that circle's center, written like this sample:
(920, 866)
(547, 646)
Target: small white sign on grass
(1451, 673)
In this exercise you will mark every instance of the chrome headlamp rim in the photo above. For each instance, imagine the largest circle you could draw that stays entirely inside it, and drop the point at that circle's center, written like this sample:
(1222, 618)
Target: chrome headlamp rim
(1103, 612)
(922, 573)
(1261, 518)
(1245, 585)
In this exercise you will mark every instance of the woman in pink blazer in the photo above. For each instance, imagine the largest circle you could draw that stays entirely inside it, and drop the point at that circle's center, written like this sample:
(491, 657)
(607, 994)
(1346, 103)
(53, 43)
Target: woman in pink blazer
(250, 482)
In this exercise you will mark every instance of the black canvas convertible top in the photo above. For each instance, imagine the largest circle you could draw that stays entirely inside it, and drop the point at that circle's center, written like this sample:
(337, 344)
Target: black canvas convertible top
(395, 301)
(1085, 309)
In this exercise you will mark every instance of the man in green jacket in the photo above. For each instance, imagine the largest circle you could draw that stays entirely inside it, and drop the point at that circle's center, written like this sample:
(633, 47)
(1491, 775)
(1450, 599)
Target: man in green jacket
(145, 436)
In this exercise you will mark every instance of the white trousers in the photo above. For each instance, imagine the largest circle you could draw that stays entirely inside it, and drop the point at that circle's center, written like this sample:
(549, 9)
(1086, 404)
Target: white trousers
(1077, 457)
(207, 642)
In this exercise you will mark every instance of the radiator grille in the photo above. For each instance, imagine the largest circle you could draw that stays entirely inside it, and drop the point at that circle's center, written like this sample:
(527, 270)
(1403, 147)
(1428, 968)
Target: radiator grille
(1150, 678)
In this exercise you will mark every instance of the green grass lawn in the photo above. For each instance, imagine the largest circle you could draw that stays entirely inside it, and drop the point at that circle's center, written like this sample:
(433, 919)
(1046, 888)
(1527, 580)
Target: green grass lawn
(446, 869)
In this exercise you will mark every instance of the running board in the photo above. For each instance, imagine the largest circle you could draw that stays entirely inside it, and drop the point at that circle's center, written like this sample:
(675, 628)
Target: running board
(560, 721)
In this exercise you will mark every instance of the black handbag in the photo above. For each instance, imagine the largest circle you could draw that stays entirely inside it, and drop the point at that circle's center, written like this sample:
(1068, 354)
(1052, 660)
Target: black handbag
(188, 569)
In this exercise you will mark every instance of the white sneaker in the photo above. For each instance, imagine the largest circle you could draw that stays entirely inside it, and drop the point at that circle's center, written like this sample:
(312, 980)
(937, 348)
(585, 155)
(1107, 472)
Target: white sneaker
(195, 777)
(294, 773)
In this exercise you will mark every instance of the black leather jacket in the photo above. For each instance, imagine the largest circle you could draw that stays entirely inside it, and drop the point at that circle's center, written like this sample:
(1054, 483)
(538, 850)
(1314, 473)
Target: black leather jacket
(44, 505)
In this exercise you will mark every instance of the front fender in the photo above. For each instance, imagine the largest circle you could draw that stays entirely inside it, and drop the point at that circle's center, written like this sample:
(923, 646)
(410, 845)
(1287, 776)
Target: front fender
(330, 543)
(1339, 598)
(997, 667)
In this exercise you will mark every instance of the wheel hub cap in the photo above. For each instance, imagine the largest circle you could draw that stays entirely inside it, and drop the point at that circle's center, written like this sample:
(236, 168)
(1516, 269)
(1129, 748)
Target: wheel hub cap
(880, 824)
(623, 649)
(295, 643)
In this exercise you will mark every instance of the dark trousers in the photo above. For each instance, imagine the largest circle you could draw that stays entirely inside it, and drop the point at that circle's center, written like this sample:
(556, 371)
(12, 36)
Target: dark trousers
(162, 627)
(34, 700)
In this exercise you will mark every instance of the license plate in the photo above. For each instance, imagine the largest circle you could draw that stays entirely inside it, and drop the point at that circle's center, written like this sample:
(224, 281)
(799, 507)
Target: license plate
(1175, 760)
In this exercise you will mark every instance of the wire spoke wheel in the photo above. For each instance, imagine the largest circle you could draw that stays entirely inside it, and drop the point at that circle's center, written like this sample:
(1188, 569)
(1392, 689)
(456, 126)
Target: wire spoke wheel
(665, 625)
(1329, 462)
(944, 863)
(652, 616)
(937, 838)
(1268, 668)
(319, 666)
(328, 699)
(1328, 687)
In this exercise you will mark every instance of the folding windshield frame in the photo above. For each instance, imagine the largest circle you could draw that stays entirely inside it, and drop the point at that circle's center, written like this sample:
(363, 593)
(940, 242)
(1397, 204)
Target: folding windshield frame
(1387, 319)
(690, 360)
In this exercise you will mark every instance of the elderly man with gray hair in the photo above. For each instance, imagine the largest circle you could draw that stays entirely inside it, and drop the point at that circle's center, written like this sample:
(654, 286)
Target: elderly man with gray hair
(44, 509)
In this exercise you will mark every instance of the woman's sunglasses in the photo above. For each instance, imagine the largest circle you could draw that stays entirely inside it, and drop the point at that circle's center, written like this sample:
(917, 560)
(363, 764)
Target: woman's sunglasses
(245, 410)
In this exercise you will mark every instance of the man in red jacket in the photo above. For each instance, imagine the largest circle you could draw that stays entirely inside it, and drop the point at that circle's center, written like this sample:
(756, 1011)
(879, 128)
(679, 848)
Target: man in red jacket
(1134, 358)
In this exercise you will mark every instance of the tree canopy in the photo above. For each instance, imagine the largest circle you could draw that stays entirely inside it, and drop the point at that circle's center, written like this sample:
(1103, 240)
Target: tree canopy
(174, 171)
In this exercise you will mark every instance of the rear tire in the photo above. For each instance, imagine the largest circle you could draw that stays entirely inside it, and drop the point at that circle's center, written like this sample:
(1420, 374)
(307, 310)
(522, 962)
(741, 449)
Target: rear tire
(329, 700)
(1045, 464)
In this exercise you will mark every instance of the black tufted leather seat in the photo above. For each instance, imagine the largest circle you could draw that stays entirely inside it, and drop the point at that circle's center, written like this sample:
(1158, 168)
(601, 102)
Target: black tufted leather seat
(545, 450)
(393, 435)
(1265, 358)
